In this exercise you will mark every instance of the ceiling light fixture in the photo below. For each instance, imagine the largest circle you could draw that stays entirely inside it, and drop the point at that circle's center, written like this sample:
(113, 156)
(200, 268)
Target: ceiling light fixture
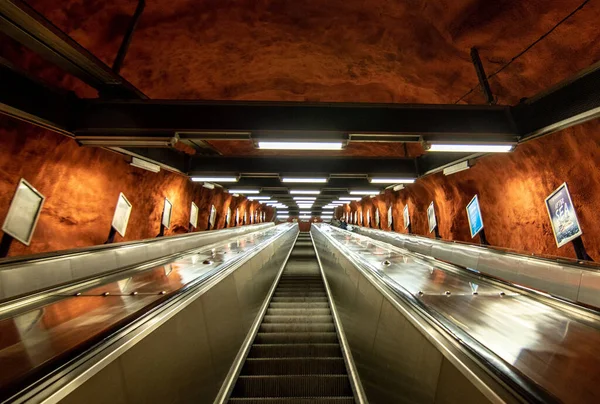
(305, 198)
(244, 191)
(214, 179)
(471, 148)
(267, 145)
(364, 192)
(144, 165)
(457, 168)
(392, 180)
(208, 185)
(398, 187)
(300, 180)
(259, 198)
(349, 199)
(304, 192)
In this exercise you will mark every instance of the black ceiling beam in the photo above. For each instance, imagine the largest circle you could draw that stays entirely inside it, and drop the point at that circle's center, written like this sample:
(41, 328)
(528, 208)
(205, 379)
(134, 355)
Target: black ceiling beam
(569, 103)
(431, 162)
(119, 117)
(25, 98)
(325, 165)
(21, 22)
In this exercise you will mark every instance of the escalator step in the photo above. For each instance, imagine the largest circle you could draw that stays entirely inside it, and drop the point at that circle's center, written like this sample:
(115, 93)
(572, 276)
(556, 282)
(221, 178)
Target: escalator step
(296, 338)
(299, 294)
(295, 350)
(284, 305)
(293, 400)
(298, 319)
(303, 311)
(291, 327)
(292, 299)
(293, 386)
(294, 366)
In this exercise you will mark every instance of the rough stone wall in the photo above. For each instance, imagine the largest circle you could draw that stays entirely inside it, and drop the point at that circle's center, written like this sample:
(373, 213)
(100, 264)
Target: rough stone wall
(512, 188)
(81, 186)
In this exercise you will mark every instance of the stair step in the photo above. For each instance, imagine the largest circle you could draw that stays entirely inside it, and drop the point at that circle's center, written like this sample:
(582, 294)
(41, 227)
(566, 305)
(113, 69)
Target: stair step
(298, 319)
(300, 294)
(329, 350)
(293, 400)
(298, 305)
(296, 338)
(293, 366)
(291, 327)
(294, 299)
(298, 311)
(292, 386)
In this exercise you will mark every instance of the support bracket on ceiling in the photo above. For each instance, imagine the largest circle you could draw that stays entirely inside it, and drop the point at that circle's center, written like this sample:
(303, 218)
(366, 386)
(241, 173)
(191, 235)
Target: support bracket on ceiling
(118, 63)
(483, 81)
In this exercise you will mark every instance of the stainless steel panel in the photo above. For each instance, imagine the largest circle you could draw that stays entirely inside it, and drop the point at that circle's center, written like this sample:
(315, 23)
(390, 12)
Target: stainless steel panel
(423, 246)
(20, 280)
(89, 264)
(498, 265)
(465, 256)
(453, 387)
(442, 251)
(106, 387)
(589, 292)
(131, 255)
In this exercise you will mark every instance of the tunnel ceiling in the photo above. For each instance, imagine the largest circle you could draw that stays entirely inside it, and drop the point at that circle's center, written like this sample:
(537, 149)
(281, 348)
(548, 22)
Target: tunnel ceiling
(375, 51)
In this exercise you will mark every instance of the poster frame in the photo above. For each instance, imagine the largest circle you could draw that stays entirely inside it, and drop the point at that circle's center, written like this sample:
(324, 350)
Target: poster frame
(14, 203)
(563, 187)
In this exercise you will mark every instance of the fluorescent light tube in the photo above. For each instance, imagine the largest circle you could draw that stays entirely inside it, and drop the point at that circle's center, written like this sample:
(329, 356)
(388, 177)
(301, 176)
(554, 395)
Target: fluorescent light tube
(214, 179)
(283, 212)
(305, 198)
(259, 198)
(244, 191)
(392, 180)
(299, 180)
(305, 206)
(304, 217)
(457, 168)
(350, 198)
(267, 145)
(144, 165)
(364, 192)
(474, 148)
(303, 192)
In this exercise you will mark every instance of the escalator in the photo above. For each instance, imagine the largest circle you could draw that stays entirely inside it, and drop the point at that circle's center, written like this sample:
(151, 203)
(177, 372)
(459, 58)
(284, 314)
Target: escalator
(296, 357)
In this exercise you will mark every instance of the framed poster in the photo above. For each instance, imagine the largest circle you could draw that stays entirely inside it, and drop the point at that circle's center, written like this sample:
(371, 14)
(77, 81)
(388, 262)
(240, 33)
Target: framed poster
(563, 217)
(474, 216)
(23, 213)
(246, 217)
(237, 216)
(369, 218)
(228, 219)
(194, 215)
(390, 217)
(213, 216)
(377, 218)
(431, 217)
(264, 215)
(121, 216)
(166, 216)
(406, 217)
(360, 218)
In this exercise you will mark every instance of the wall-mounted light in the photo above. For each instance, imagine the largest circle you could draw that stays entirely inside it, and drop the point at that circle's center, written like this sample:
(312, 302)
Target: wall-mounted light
(305, 180)
(398, 187)
(268, 145)
(462, 166)
(144, 165)
(208, 185)
(244, 191)
(470, 148)
(392, 180)
(304, 192)
(214, 179)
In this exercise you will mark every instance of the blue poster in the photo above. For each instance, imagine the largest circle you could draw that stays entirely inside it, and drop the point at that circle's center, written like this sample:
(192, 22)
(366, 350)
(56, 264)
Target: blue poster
(474, 215)
(562, 216)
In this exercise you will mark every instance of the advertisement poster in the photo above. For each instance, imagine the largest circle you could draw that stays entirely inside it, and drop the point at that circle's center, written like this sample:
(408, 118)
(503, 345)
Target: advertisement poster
(563, 217)
(121, 216)
(431, 217)
(360, 219)
(23, 213)
(390, 217)
(406, 217)
(246, 217)
(237, 217)
(368, 218)
(264, 215)
(213, 216)
(166, 217)
(474, 215)
(228, 219)
(377, 218)
(194, 215)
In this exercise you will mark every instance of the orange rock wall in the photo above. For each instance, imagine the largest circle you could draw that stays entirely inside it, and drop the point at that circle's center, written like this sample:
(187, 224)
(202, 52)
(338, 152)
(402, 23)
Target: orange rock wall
(81, 186)
(512, 188)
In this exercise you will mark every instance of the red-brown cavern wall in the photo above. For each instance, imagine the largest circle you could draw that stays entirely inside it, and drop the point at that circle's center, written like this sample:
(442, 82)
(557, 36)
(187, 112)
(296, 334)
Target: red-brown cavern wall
(512, 188)
(81, 186)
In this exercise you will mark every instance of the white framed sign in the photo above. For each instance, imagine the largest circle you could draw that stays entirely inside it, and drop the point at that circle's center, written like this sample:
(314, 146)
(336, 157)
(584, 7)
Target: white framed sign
(24, 212)
(474, 216)
(194, 215)
(431, 217)
(377, 218)
(563, 217)
(121, 216)
(246, 217)
(166, 216)
(369, 218)
(228, 219)
(360, 220)
(213, 216)
(237, 217)
(390, 217)
(264, 215)
(406, 217)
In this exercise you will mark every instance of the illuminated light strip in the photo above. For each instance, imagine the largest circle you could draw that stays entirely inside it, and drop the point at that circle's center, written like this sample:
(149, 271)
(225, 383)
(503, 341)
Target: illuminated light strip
(364, 192)
(305, 198)
(244, 191)
(266, 145)
(392, 180)
(215, 179)
(259, 198)
(474, 148)
(299, 180)
(302, 192)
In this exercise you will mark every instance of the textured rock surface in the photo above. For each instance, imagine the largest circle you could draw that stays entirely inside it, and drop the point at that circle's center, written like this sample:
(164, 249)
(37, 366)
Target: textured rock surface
(81, 186)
